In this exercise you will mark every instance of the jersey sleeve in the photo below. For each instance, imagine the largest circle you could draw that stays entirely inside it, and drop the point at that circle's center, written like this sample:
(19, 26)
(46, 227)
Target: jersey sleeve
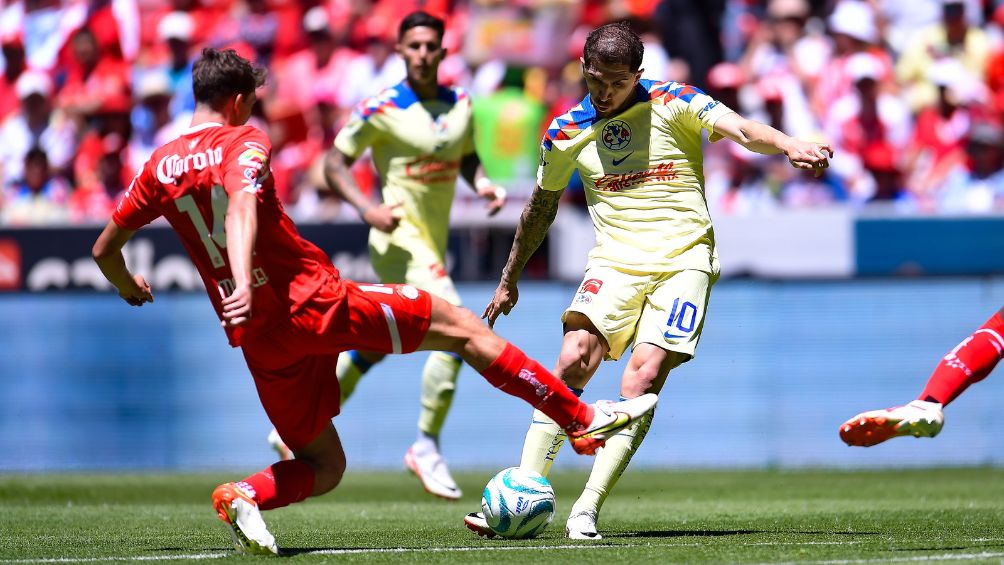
(705, 111)
(357, 134)
(556, 166)
(137, 206)
(246, 162)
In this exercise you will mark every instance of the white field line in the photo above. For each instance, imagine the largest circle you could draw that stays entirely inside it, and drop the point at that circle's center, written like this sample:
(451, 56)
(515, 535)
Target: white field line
(905, 559)
(419, 550)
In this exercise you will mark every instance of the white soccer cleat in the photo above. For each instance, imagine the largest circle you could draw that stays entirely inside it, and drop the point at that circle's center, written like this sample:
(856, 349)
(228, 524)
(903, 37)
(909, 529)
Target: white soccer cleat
(610, 418)
(918, 419)
(247, 528)
(582, 525)
(430, 468)
(475, 522)
(280, 447)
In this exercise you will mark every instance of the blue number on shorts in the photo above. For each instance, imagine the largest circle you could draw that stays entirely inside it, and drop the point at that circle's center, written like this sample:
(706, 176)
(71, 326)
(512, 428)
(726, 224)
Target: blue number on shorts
(687, 319)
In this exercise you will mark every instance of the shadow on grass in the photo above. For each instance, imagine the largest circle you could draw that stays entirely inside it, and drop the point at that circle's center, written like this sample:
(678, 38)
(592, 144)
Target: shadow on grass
(680, 533)
(950, 548)
(719, 533)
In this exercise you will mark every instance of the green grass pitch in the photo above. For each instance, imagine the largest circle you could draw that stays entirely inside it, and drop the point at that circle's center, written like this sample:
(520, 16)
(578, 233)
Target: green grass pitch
(736, 516)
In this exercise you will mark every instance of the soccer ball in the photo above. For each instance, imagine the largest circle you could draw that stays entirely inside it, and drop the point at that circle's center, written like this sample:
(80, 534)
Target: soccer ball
(518, 503)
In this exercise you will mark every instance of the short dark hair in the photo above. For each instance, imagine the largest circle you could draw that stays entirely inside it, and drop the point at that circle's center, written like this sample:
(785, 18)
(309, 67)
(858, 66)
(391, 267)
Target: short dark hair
(614, 44)
(217, 75)
(420, 19)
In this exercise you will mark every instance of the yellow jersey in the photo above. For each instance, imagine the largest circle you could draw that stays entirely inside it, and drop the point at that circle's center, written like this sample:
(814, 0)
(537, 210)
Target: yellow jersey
(417, 146)
(643, 174)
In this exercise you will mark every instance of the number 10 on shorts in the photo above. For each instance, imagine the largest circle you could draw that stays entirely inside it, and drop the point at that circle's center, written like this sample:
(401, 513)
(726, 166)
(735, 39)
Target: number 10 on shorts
(684, 322)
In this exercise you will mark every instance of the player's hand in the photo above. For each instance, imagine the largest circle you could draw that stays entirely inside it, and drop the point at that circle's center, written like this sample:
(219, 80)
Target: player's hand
(503, 302)
(383, 217)
(809, 156)
(493, 193)
(137, 293)
(237, 307)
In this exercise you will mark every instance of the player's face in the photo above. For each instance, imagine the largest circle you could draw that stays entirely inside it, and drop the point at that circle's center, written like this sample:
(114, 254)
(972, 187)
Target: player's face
(422, 51)
(611, 87)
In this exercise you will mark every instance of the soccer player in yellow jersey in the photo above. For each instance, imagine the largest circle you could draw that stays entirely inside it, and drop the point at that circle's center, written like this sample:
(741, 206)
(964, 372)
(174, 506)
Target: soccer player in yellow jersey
(421, 136)
(637, 146)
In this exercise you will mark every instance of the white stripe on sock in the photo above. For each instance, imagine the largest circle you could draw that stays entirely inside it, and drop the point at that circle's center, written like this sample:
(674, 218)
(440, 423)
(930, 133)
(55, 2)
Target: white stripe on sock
(997, 340)
(395, 337)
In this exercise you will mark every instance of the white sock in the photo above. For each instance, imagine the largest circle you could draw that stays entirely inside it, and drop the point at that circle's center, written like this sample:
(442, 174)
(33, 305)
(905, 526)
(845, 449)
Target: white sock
(439, 381)
(543, 441)
(611, 461)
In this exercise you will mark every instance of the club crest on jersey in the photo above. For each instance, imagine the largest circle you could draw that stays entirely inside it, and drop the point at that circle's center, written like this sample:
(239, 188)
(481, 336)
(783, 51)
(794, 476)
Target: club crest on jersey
(616, 135)
(589, 289)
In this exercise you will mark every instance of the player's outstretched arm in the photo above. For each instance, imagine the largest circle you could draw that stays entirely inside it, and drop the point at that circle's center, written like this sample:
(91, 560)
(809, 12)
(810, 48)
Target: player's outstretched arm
(340, 180)
(107, 253)
(538, 215)
(761, 138)
(241, 226)
(474, 173)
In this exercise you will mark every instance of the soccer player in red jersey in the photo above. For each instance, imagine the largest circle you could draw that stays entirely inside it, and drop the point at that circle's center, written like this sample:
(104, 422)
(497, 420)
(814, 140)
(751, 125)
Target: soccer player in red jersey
(282, 302)
(970, 362)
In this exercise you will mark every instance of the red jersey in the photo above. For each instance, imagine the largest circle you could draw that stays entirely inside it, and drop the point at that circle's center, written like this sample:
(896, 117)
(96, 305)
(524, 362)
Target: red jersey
(189, 181)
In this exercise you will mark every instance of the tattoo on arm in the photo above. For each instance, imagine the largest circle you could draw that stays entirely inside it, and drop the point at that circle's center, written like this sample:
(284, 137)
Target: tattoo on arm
(537, 217)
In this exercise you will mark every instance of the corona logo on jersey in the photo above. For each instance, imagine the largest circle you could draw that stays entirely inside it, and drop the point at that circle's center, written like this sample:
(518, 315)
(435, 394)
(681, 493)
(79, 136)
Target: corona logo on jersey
(616, 135)
(173, 166)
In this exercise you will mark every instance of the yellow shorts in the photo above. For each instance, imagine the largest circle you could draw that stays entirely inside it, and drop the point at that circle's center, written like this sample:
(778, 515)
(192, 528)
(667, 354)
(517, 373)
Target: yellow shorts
(416, 265)
(628, 308)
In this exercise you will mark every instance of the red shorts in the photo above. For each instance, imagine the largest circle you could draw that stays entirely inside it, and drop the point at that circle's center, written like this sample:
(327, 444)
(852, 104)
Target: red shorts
(293, 365)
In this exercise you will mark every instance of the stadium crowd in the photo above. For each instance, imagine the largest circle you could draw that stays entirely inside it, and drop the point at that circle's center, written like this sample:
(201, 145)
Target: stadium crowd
(909, 92)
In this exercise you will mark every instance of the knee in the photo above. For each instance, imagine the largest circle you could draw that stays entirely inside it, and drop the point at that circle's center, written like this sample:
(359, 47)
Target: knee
(576, 354)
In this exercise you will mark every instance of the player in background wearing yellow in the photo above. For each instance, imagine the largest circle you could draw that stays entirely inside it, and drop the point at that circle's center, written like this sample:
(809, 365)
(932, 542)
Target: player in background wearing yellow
(969, 362)
(421, 136)
(637, 146)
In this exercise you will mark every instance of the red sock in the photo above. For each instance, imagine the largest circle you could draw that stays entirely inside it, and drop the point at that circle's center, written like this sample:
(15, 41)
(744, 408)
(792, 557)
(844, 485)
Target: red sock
(516, 374)
(970, 362)
(280, 485)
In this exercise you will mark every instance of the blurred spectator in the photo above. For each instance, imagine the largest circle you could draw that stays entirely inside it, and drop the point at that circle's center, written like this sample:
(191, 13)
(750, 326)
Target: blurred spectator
(883, 164)
(111, 131)
(314, 73)
(854, 30)
(14, 66)
(35, 125)
(377, 68)
(904, 20)
(863, 119)
(152, 120)
(176, 30)
(96, 82)
(782, 45)
(507, 132)
(977, 185)
(38, 197)
(951, 38)
(938, 142)
(97, 195)
(691, 31)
